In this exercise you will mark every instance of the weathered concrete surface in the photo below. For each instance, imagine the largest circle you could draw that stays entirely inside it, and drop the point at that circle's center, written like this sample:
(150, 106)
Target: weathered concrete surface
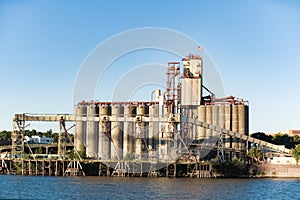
(278, 170)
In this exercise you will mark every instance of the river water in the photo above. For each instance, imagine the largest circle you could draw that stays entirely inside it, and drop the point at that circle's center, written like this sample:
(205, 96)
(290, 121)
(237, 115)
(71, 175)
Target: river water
(40, 187)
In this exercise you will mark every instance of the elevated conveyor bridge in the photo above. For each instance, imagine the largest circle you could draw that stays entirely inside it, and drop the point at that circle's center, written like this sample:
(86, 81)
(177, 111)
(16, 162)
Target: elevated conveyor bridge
(173, 118)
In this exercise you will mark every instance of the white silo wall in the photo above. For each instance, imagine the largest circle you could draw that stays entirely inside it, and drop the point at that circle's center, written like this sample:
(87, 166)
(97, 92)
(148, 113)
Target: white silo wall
(116, 134)
(80, 127)
(92, 132)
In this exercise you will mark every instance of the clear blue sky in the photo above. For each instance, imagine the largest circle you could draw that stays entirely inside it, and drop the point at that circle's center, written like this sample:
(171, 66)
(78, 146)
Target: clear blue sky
(254, 44)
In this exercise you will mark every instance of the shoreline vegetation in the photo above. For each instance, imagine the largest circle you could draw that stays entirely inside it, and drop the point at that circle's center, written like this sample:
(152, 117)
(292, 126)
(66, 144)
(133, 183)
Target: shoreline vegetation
(279, 139)
(228, 169)
(255, 165)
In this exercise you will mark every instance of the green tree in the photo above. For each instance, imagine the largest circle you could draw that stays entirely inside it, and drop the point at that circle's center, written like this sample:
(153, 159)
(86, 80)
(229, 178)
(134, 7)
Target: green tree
(55, 136)
(279, 139)
(33, 132)
(296, 153)
(262, 136)
(283, 139)
(48, 133)
(71, 155)
(82, 151)
(254, 154)
(27, 133)
(5, 135)
(296, 139)
(39, 150)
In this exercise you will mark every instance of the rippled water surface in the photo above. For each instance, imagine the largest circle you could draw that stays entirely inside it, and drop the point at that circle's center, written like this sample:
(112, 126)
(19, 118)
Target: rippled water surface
(39, 187)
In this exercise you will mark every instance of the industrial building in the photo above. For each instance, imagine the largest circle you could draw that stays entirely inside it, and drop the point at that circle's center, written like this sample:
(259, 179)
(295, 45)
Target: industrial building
(161, 129)
(35, 139)
(180, 125)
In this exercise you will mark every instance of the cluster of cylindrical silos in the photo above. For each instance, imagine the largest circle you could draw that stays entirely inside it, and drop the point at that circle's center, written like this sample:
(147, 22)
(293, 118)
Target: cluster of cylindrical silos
(120, 131)
(116, 131)
(228, 116)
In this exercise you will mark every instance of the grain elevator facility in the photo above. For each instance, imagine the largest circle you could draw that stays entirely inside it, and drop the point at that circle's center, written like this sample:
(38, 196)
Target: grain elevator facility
(186, 125)
(179, 123)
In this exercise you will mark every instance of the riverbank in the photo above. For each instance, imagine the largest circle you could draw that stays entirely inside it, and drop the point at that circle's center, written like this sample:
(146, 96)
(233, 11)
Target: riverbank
(239, 169)
(267, 170)
(122, 168)
(232, 169)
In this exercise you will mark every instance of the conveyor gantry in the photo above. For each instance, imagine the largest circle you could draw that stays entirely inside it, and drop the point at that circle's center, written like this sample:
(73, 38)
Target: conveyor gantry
(173, 117)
